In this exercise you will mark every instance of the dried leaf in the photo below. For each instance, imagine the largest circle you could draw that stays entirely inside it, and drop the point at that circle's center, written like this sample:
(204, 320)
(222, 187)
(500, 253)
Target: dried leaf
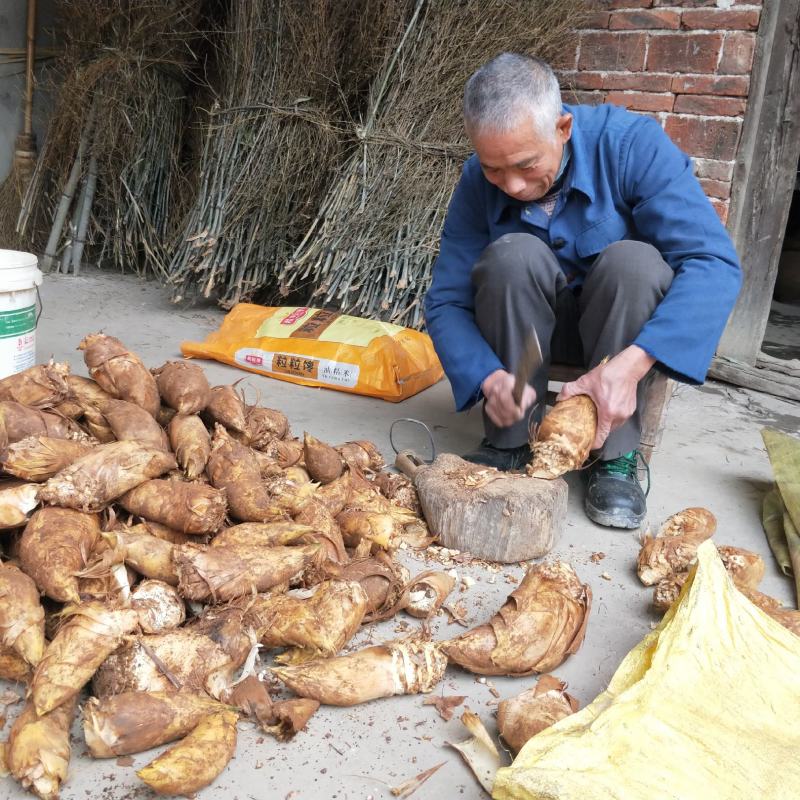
(410, 786)
(445, 704)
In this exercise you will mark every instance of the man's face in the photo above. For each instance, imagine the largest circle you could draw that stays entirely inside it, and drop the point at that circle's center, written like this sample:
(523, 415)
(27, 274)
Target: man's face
(521, 162)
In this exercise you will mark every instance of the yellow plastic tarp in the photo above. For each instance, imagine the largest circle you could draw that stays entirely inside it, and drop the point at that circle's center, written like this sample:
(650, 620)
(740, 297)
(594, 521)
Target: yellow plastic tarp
(707, 707)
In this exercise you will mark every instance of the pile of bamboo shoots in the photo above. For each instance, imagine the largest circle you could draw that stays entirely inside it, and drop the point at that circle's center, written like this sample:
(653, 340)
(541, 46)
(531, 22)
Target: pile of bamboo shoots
(665, 560)
(158, 532)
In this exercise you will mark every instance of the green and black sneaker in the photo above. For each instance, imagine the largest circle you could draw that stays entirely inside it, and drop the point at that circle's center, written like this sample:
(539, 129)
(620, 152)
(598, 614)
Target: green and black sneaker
(614, 497)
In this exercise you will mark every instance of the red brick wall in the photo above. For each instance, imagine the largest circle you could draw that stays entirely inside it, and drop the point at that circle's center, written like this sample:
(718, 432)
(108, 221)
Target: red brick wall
(685, 63)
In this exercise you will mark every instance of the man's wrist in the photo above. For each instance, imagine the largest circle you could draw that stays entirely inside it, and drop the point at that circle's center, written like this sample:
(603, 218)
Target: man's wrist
(637, 362)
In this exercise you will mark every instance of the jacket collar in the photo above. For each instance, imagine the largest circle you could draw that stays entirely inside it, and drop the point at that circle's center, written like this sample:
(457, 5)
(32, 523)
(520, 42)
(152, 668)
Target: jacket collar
(579, 174)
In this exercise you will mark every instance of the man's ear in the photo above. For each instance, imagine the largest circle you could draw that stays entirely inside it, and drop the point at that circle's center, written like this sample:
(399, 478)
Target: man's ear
(564, 127)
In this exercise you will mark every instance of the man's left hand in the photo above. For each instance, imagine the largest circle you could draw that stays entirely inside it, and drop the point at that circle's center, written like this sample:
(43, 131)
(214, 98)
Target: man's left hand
(612, 387)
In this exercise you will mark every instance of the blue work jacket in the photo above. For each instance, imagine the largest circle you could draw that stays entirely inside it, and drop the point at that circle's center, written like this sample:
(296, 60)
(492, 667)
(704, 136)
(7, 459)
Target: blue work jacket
(625, 180)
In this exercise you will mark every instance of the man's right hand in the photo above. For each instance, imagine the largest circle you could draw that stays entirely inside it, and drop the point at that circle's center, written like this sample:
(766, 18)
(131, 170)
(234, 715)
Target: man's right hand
(498, 388)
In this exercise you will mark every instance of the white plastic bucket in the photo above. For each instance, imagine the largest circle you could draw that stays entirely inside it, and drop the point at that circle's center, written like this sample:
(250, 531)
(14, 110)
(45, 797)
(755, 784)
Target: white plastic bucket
(19, 277)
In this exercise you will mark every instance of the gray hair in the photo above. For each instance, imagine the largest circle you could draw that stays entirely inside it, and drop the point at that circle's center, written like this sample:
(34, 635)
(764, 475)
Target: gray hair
(509, 90)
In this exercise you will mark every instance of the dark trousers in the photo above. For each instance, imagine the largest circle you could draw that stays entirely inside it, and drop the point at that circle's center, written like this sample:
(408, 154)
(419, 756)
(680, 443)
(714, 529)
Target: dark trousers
(518, 283)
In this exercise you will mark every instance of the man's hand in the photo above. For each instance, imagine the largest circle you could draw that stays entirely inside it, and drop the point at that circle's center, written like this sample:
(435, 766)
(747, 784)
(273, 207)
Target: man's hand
(498, 388)
(612, 386)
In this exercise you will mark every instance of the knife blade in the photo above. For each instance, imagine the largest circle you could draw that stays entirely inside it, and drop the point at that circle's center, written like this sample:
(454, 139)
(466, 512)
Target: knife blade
(528, 364)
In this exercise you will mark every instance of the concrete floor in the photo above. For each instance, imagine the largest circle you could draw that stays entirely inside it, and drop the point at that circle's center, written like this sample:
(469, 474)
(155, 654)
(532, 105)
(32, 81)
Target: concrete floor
(711, 455)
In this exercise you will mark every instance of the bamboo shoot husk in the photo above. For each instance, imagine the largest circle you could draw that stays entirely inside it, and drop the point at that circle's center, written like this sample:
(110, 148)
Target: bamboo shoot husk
(397, 487)
(223, 573)
(87, 393)
(184, 659)
(261, 534)
(16, 503)
(54, 547)
(227, 408)
(665, 555)
(316, 626)
(183, 386)
(120, 372)
(197, 760)
(38, 749)
(696, 520)
(381, 578)
(92, 632)
(233, 468)
(105, 474)
(407, 666)
(131, 422)
(381, 529)
(186, 507)
(520, 718)
(335, 495)
(361, 455)
(21, 614)
(39, 458)
(150, 556)
(191, 443)
(564, 439)
(13, 666)
(158, 605)
(323, 463)
(42, 386)
(291, 716)
(541, 623)
(133, 722)
(263, 426)
(18, 422)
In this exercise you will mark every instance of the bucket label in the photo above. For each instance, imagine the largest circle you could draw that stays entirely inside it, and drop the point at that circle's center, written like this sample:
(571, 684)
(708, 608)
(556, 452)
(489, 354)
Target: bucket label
(17, 322)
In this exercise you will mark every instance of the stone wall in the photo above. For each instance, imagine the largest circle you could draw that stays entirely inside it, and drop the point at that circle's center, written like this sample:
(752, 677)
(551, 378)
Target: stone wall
(685, 63)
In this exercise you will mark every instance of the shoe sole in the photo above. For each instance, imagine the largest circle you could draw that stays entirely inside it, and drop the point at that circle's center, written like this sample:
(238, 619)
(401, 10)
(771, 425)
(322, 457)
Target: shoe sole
(613, 520)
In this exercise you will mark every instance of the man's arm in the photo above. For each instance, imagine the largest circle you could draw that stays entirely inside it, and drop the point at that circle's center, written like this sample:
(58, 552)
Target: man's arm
(671, 212)
(466, 356)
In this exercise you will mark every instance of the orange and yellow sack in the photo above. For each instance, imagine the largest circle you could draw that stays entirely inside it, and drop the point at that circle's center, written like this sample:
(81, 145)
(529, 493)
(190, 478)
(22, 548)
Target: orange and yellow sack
(316, 347)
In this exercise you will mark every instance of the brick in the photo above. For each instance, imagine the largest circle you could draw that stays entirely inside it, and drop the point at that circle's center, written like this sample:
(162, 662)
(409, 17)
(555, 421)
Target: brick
(721, 207)
(719, 189)
(685, 3)
(737, 54)
(595, 19)
(566, 59)
(613, 4)
(582, 80)
(582, 98)
(644, 20)
(717, 19)
(640, 81)
(616, 51)
(641, 101)
(707, 138)
(715, 170)
(733, 85)
(710, 105)
(684, 52)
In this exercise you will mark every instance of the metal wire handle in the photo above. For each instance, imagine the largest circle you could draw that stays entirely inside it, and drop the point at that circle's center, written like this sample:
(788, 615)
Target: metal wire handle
(414, 422)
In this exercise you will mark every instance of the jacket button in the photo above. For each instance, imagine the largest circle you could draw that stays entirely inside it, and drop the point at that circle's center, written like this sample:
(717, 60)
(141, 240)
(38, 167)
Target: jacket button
(557, 244)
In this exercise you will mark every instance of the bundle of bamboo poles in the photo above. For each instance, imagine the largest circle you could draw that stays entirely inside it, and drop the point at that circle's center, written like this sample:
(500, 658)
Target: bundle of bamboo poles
(15, 184)
(288, 70)
(108, 175)
(370, 249)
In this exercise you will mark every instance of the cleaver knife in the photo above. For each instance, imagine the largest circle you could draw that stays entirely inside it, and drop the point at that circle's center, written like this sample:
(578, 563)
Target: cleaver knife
(528, 364)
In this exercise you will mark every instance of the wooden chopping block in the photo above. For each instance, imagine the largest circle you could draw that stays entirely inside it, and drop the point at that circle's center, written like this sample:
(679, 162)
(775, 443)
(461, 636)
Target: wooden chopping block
(497, 516)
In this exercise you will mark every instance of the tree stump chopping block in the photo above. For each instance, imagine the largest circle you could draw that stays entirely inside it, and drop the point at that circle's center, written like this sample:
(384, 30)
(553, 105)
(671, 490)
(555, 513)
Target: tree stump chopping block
(497, 516)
